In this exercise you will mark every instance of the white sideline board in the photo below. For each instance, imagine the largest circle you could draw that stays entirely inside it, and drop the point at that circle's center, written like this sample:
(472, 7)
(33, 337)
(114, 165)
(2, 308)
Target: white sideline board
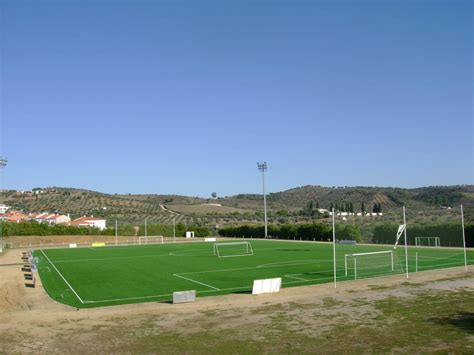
(210, 239)
(266, 286)
(73, 245)
(184, 296)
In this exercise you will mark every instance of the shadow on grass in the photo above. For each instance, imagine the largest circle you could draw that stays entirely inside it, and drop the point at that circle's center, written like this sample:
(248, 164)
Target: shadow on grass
(462, 320)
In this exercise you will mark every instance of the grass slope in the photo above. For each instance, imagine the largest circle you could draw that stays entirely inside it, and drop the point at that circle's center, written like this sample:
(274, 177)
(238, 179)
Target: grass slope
(93, 277)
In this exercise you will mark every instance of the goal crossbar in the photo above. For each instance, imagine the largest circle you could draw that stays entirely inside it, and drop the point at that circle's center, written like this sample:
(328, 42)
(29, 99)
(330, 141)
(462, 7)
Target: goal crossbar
(248, 249)
(355, 255)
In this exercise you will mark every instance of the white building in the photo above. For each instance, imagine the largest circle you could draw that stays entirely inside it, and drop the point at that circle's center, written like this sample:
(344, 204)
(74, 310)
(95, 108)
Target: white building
(50, 218)
(91, 221)
(3, 208)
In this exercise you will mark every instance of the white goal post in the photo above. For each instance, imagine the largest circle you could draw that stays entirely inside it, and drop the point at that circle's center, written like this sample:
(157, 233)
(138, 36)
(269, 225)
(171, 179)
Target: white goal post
(356, 255)
(245, 249)
(154, 239)
(419, 240)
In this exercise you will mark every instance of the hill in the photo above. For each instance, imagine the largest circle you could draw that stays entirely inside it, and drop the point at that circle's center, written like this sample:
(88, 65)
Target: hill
(285, 206)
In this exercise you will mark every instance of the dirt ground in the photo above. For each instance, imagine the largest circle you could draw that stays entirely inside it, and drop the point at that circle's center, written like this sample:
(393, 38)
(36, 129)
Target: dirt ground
(298, 319)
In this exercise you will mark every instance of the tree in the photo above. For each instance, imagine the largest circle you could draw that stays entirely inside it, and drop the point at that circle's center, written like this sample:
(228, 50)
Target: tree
(331, 206)
(362, 207)
(377, 208)
(214, 195)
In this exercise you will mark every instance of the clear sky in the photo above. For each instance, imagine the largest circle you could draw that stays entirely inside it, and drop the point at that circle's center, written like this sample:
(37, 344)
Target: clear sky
(186, 96)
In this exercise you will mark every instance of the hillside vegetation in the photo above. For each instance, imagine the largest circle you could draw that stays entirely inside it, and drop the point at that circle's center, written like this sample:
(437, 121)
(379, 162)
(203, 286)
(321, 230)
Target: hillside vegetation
(291, 206)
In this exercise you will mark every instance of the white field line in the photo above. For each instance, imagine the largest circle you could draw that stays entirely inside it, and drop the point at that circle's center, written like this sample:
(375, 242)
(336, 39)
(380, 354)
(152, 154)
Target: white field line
(116, 258)
(265, 266)
(379, 275)
(438, 258)
(67, 283)
(233, 256)
(296, 277)
(198, 282)
(294, 262)
(190, 252)
(460, 262)
(168, 295)
(172, 253)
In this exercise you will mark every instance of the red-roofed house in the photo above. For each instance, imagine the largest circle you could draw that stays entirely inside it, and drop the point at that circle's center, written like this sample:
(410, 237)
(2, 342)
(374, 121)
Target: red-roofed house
(15, 217)
(89, 222)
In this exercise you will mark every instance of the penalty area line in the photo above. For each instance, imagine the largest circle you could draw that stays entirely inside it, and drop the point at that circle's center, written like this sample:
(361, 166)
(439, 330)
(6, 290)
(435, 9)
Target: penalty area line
(64, 279)
(198, 282)
(296, 277)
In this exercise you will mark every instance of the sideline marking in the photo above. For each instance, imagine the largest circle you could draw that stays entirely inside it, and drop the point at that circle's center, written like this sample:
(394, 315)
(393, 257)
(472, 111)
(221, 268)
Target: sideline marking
(380, 275)
(69, 285)
(198, 282)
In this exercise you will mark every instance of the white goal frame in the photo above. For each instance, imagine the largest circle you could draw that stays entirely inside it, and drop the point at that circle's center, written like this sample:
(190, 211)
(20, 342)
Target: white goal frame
(355, 255)
(436, 241)
(249, 249)
(145, 240)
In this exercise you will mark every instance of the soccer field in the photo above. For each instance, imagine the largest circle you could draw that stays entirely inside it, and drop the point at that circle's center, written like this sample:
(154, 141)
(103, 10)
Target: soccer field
(95, 277)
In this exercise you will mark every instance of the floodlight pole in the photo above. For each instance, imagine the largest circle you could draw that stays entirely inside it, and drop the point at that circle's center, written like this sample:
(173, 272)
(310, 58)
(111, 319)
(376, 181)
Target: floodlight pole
(463, 238)
(145, 229)
(334, 245)
(174, 229)
(406, 245)
(263, 167)
(116, 233)
(3, 163)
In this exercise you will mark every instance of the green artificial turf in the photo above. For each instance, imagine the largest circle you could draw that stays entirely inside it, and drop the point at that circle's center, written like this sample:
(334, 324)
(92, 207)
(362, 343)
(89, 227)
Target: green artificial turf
(102, 276)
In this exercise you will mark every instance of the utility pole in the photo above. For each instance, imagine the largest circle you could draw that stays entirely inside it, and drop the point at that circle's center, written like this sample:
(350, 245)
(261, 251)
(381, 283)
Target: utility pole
(263, 167)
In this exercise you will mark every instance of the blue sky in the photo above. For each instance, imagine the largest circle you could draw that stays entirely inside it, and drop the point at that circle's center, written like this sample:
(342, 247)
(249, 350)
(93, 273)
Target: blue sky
(186, 96)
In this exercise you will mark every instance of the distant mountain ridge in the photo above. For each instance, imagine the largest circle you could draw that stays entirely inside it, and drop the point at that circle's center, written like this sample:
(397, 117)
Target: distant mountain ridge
(136, 207)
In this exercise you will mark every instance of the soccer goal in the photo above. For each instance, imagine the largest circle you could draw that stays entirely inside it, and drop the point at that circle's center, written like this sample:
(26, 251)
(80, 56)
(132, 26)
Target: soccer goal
(427, 241)
(373, 262)
(157, 239)
(225, 250)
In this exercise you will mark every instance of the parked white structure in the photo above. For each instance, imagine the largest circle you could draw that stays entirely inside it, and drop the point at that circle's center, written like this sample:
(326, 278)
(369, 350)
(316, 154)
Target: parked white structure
(91, 221)
(3, 208)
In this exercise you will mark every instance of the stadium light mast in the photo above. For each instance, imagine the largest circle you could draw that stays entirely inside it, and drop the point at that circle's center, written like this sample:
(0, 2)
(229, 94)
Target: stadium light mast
(3, 163)
(263, 167)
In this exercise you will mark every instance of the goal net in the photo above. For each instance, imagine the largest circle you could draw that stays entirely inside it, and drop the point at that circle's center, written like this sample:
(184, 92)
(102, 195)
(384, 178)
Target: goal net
(427, 241)
(158, 239)
(370, 264)
(223, 250)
